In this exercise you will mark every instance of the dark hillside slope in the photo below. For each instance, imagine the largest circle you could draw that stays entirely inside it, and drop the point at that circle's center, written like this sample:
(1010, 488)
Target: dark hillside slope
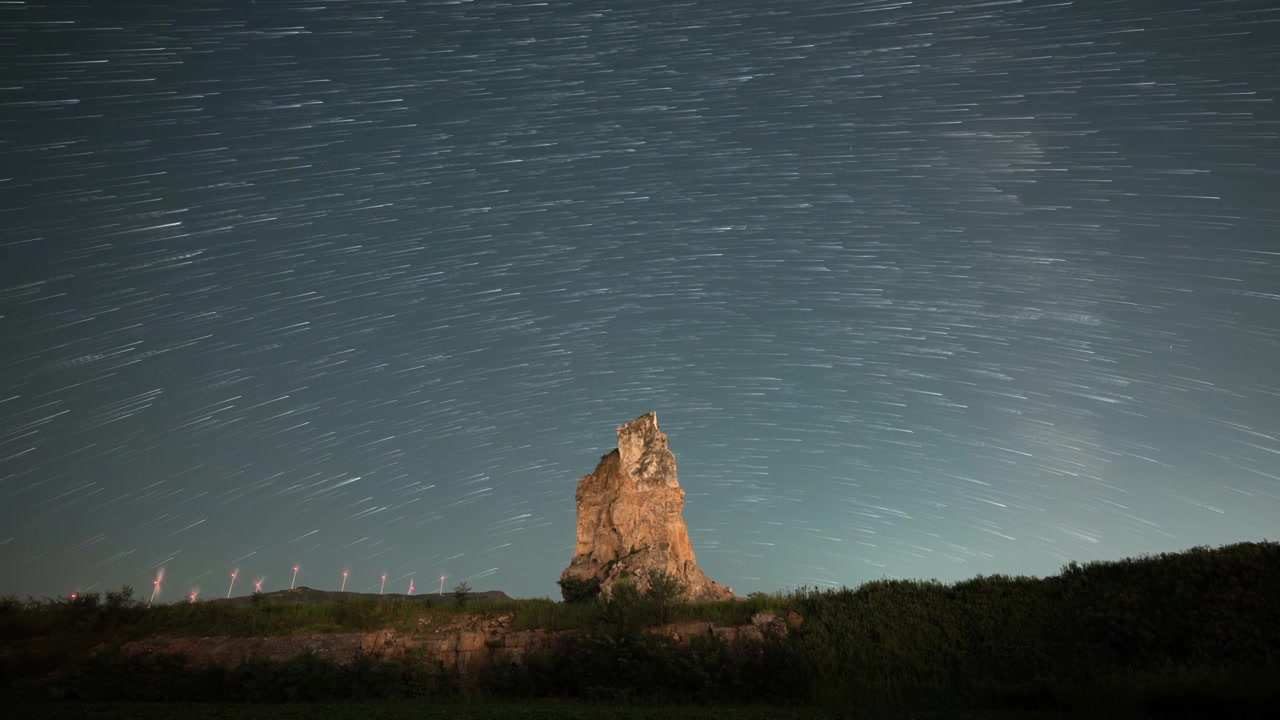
(1203, 616)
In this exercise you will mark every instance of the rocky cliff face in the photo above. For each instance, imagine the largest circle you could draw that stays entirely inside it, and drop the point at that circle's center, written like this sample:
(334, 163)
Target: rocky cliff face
(629, 517)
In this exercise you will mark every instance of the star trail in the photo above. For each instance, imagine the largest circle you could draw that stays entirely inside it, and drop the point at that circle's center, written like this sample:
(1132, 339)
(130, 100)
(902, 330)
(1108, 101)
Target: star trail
(917, 289)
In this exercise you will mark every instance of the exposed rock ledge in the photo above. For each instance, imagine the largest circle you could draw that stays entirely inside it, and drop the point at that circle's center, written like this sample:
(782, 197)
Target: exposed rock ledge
(467, 645)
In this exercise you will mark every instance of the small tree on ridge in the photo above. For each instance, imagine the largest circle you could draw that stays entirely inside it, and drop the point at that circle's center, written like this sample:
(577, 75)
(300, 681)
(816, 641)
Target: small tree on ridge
(460, 592)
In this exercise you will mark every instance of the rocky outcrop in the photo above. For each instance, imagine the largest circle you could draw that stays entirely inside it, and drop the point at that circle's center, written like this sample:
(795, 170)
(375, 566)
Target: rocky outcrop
(629, 517)
(467, 645)
(763, 626)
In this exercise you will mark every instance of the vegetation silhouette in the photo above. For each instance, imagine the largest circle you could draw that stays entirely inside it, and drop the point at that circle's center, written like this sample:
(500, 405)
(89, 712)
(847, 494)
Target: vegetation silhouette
(1190, 632)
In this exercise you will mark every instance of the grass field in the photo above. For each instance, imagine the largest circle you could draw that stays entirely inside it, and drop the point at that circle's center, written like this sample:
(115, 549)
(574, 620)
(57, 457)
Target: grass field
(463, 711)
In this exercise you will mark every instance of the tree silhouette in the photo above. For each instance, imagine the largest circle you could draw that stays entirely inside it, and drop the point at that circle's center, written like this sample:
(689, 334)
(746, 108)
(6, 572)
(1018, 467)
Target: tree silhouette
(460, 592)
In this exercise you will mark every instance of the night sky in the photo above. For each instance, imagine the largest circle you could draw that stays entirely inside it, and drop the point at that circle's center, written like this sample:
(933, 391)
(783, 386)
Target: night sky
(920, 289)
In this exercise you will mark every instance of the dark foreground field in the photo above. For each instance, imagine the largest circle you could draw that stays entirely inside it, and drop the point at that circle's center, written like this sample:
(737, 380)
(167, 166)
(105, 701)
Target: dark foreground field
(469, 711)
(1193, 634)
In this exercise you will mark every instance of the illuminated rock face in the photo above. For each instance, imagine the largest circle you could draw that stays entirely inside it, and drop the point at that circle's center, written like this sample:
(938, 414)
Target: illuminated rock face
(629, 517)
(468, 644)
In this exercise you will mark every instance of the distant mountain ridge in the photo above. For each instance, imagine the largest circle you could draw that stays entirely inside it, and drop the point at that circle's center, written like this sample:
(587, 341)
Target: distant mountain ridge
(310, 596)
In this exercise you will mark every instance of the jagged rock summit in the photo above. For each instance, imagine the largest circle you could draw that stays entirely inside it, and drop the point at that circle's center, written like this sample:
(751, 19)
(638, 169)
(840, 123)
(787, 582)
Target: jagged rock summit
(629, 520)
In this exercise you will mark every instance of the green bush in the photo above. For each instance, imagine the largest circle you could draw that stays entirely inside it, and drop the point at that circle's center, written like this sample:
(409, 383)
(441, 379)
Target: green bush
(624, 612)
(665, 592)
(579, 590)
(606, 666)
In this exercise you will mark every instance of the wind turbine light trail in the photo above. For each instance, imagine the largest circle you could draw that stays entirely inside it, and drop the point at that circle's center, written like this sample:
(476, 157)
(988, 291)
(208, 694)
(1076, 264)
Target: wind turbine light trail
(295, 577)
(233, 583)
(344, 581)
(155, 587)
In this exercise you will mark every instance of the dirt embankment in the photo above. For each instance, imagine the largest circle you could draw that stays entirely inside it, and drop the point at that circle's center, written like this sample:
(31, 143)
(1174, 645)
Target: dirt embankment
(467, 644)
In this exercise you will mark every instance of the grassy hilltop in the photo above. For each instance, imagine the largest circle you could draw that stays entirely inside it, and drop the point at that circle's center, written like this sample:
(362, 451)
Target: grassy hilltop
(1196, 631)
